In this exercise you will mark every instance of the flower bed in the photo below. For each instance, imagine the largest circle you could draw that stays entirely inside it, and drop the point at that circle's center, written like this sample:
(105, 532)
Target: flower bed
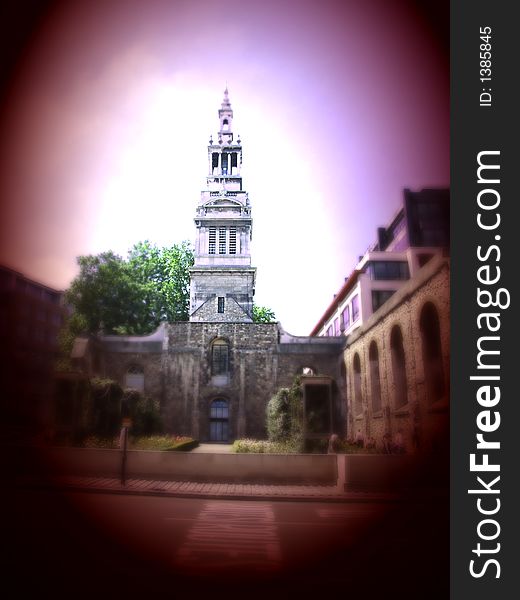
(153, 442)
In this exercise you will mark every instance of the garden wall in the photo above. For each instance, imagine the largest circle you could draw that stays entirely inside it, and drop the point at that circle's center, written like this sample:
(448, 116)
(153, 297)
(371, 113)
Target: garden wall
(172, 466)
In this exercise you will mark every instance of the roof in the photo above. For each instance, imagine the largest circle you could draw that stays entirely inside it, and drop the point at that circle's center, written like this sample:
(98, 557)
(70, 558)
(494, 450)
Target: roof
(350, 282)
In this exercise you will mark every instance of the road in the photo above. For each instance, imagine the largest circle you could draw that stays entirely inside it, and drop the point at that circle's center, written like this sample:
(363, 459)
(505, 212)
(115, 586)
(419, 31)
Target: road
(133, 546)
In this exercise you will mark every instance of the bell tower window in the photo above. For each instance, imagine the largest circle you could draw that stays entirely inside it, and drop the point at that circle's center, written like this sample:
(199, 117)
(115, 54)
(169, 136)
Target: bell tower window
(224, 163)
(212, 240)
(222, 240)
(232, 240)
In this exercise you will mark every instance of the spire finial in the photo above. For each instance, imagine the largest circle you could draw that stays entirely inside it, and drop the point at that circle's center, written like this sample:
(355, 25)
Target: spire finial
(225, 101)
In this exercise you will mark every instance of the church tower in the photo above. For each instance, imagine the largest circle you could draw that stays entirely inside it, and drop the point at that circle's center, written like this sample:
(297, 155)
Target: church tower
(222, 282)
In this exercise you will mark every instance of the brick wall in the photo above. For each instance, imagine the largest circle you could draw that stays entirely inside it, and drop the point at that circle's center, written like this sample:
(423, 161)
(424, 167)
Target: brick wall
(422, 418)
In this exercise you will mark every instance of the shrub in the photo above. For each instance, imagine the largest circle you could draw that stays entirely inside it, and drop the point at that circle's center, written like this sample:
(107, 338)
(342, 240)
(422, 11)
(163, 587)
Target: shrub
(263, 447)
(144, 411)
(284, 416)
(163, 442)
(279, 416)
(152, 442)
(105, 407)
(93, 441)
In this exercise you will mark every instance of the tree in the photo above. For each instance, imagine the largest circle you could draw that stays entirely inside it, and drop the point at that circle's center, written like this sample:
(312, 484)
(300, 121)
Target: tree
(132, 296)
(261, 314)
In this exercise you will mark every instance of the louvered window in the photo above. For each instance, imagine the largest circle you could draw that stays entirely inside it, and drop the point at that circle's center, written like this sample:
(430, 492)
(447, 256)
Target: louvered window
(222, 240)
(212, 240)
(232, 240)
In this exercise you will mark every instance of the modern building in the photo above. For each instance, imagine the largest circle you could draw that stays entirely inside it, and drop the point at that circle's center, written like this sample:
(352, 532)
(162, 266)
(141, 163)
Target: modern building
(31, 315)
(418, 232)
(396, 365)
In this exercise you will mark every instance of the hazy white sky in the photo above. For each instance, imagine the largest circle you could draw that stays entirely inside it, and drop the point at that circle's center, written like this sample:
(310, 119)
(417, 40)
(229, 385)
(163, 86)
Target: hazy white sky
(340, 105)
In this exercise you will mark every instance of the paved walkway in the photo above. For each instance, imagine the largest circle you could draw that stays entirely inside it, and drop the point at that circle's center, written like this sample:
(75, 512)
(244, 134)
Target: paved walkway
(187, 489)
(212, 449)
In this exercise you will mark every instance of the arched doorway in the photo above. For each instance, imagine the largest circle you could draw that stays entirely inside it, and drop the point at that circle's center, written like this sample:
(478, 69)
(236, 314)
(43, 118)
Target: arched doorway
(219, 420)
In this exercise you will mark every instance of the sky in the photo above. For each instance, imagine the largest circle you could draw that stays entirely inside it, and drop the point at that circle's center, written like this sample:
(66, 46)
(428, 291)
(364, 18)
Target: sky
(108, 107)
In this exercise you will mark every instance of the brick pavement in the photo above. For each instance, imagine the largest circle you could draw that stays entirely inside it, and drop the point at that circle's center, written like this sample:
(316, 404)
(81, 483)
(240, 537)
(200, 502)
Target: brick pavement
(187, 489)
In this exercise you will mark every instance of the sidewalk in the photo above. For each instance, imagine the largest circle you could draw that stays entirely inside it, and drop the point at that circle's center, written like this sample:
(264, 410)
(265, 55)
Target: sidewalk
(186, 489)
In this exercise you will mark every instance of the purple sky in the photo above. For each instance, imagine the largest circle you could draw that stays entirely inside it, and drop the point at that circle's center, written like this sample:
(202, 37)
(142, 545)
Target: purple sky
(340, 105)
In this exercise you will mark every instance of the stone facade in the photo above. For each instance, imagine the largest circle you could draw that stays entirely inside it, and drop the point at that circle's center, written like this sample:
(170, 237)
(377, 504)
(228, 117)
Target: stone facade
(391, 376)
(397, 365)
(180, 370)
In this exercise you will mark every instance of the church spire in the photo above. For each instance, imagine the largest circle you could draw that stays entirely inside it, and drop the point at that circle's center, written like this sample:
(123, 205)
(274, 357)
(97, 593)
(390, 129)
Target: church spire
(225, 115)
(222, 280)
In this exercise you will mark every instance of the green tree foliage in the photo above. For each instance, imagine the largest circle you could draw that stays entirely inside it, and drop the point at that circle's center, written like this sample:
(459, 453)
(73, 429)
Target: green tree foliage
(131, 296)
(144, 412)
(261, 314)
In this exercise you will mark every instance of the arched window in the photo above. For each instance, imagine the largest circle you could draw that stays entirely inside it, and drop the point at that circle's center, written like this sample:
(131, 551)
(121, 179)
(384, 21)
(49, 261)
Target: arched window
(219, 357)
(398, 368)
(219, 420)
(358, 400)
(431, 352)
(375, 379)
(134, 378)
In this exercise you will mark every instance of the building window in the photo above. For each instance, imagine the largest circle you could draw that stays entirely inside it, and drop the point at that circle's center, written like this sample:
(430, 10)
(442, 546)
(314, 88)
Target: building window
(222, 240)
(329, 331)
(355, 308)
(431, 352)
(336, 327)
(308, 371)
(134, 378)
(379, 297)
(388, 270)
(219, 357)
(398, 367)
(232, 240)
(358, 400)
(212, 240)
(375, 379)
(214, 160)
(224, 163)
(220, 304)
(345, 318)
(424, 258)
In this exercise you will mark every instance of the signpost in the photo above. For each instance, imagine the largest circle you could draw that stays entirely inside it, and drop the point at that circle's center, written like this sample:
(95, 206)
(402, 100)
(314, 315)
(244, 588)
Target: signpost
(123, 444)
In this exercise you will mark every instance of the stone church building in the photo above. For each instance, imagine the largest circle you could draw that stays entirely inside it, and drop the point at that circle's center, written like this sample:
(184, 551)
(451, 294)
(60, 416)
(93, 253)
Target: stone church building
(214, 375)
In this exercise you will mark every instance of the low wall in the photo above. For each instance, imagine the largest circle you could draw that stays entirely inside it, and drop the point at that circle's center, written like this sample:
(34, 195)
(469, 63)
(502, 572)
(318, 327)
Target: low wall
(394, 472)
(175, 466)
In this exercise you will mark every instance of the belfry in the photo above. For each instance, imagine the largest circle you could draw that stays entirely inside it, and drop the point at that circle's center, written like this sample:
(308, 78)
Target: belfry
(222, 280)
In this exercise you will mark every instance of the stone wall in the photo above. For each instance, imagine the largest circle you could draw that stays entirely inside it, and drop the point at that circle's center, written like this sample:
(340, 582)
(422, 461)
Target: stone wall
(181, 375)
